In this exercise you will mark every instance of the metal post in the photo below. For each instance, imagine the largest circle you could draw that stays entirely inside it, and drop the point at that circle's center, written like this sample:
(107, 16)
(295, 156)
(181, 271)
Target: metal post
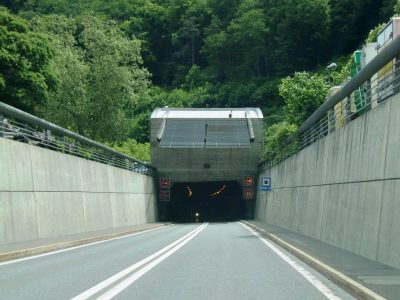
(47, 136)
(3, 122)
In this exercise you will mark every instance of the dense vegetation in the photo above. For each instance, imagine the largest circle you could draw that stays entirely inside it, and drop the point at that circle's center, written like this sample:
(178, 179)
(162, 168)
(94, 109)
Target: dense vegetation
(100, 67)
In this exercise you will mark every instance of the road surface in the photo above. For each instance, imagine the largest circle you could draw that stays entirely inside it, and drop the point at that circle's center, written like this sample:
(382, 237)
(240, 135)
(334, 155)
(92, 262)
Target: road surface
(185, 261)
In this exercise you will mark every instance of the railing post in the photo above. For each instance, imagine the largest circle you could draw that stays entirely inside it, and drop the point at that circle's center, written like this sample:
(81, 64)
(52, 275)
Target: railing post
(3, 122)
(47, 136)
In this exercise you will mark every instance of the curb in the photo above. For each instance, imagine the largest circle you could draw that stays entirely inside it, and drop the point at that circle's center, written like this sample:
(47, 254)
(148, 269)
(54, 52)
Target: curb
(9, 256)
(351, 286)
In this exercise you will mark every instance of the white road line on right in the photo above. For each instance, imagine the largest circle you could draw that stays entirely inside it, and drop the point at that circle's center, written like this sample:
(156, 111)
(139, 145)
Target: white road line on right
(306, 274)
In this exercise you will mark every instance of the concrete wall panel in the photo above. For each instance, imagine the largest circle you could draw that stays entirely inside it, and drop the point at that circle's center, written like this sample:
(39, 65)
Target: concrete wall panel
(94, 176)
(371, 194)
(23, 216)
(44, 194)
(119, 208)
(97, 211)
(53, 171)
(6, 221)
(389, 232)
(59, 213)
(344, 189)
(15, 166)
(392, 169)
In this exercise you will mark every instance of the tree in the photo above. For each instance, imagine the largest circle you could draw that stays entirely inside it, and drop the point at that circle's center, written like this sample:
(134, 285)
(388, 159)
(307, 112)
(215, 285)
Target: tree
(132, 148)
(100, 76)
(351, 21)
(303, 94)
(298, 36)
(397, 7)
(247, 36)
(25, 76)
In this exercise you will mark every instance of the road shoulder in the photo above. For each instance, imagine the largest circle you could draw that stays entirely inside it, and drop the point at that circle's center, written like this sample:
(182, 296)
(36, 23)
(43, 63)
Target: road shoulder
(14, 251)
(341, 267)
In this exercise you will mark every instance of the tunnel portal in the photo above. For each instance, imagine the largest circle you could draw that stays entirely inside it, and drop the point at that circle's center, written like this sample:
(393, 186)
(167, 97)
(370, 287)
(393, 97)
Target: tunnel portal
(205, 155)
(217, 201)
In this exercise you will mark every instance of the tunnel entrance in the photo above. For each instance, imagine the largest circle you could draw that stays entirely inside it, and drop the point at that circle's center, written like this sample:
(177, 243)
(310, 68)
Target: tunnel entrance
(206, 201)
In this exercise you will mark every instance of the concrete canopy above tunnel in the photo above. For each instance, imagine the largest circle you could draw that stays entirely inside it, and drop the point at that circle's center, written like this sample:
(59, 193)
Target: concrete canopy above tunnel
(204, 145)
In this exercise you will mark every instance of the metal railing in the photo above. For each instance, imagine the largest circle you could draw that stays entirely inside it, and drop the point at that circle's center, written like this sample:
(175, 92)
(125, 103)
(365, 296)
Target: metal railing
(23, 127)
(376, 82)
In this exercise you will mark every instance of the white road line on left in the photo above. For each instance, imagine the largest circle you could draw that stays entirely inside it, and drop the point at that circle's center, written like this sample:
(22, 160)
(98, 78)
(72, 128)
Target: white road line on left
(78, 247)
(306, 274)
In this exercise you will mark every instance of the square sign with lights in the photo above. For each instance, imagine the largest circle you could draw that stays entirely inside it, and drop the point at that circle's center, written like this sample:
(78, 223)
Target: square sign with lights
(164, 183)
(248, 180)
(266, 183)
(164, 196)
(248, 193)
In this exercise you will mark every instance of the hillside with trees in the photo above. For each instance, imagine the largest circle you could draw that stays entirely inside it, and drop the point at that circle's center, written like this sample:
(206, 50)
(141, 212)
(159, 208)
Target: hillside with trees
(100, 67)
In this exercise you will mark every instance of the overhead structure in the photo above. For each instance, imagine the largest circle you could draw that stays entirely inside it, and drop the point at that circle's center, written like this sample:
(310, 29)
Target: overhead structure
(210, 159)
(204, 145)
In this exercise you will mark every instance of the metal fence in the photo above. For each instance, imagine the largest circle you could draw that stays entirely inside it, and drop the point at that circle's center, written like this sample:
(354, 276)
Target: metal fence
(375, 83)
(23, 127)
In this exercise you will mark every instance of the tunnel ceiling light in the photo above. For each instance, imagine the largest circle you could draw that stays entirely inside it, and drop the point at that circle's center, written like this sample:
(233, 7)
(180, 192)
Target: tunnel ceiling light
(218, 192)
(189, 191)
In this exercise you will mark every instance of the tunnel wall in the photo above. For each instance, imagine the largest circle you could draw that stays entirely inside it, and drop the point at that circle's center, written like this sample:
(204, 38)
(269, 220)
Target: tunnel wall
(45, 194)
(345, 188)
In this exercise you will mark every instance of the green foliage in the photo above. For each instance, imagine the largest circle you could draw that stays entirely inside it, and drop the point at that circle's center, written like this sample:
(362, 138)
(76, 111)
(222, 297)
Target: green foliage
(299, 32)
(247, 34)
(277, 140)
(132, 148)
(303, 94)
(352, 19)
(25, 76)
(99, 74)
(83, 64)
(373, 34)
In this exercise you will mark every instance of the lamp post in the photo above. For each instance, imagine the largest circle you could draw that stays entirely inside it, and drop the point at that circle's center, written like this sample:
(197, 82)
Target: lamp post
(332, 67)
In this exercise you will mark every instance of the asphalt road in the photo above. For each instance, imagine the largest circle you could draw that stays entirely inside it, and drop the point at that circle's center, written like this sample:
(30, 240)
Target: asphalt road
(187, 261)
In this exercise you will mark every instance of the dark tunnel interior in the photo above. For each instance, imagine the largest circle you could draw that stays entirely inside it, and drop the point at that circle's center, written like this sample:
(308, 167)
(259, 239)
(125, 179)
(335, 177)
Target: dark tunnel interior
(206, 202)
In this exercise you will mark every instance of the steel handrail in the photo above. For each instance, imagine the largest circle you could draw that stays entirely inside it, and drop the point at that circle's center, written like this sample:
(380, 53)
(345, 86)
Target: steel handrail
(26, 117)
(377, 63)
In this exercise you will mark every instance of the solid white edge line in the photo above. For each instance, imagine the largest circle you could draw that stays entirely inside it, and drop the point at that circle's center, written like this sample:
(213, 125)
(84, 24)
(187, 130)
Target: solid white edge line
(78, 247)
(135, 276)
(107, 282)
(305, 273)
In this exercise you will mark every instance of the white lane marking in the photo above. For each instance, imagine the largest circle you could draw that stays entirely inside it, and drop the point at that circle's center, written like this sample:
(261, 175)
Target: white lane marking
(102, 285)
(135, 276)
(306, 274)
(78, 247)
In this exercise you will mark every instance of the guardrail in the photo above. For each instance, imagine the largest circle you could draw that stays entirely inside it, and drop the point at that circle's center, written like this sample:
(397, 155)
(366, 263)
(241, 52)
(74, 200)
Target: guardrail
(23, 127)
(377, 81)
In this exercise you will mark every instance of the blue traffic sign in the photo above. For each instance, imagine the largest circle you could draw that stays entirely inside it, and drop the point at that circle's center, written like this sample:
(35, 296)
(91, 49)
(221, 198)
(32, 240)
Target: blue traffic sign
(265, 183)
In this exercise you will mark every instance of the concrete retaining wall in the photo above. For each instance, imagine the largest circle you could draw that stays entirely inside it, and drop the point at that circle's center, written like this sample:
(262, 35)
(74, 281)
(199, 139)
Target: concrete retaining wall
(345, 188)
(45, 194)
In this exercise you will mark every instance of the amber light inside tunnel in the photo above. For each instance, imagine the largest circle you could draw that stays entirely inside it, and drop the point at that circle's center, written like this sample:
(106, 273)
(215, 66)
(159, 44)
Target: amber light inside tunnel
(206, 201)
